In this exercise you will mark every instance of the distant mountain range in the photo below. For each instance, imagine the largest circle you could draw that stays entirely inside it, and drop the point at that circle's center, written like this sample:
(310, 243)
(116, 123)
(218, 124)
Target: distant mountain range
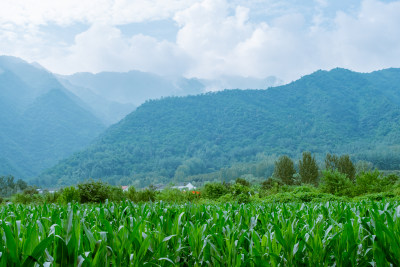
(176, 137)
(112, 95)
(41, 122)
(46, 117)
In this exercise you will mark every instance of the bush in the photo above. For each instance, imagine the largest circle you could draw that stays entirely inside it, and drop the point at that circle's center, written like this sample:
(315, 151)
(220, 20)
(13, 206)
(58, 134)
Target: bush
(238, 189)
(242, 182)
(305, 189)
(69, 194)
(52, 197)
(376, 196)
(336, 183)
(369, 182)
(215, 190)
(271, 183)
(243, 198)
(131, 193)
(116, 194)
(23, 198)
(148, 194)
(389, 181)
(93, 191)
(173, 195)
(227, 198)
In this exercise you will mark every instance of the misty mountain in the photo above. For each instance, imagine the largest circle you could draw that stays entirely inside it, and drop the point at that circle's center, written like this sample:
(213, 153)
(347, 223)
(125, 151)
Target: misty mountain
(40, 121)
(113, 95)
(108, 111)
(165, 140)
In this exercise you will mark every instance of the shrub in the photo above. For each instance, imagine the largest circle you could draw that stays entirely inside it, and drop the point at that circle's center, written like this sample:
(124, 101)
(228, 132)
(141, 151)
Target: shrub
(227, 198)
(238, 189)
(305, 189)
(93, 191)
(242, 182)
(173, 195)
(69, 194)
(389, 180)
(22, 198)
(148, 194)
(116, 193)
(376, 196)
(243, 198)
(52, 197)
(369, 182)
(131, 194)
(215, 190)
(336, 183)
(271, 183)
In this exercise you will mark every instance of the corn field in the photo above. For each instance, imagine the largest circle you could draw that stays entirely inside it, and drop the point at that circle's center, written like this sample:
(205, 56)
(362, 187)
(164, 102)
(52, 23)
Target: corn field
(160, 234)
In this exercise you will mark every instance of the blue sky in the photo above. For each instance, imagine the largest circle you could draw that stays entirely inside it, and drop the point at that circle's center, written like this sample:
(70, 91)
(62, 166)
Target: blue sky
(203, 38)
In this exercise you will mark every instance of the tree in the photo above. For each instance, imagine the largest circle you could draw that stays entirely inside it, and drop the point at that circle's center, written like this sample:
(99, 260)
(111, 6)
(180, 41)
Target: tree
(284, 169)
(336, 183)
(242, 182)
(308, 169)
(343, 164)
(346, 166)
(331, 162)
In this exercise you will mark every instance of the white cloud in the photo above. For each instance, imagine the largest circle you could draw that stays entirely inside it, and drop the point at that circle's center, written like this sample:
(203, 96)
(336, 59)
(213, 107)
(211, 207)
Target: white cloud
(104, 48)
(63, 12)
(215, 38)
(288, 46)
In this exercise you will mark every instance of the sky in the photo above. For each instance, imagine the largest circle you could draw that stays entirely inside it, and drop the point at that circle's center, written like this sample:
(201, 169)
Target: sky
(205, 39)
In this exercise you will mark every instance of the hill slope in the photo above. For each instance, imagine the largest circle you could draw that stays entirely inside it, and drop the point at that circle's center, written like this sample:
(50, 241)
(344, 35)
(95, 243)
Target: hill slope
(41, 122)
(176, 137)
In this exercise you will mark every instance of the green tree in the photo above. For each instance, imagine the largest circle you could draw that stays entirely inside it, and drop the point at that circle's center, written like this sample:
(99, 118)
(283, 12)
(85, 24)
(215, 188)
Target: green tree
(331, 162)
(242, 182)
(308, 169)
(346, 166)
(284, 169)
(336, 183)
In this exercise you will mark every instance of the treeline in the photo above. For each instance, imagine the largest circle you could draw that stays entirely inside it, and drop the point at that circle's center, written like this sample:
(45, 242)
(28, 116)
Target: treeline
(339, 179)
(202, 136)
(9, 187)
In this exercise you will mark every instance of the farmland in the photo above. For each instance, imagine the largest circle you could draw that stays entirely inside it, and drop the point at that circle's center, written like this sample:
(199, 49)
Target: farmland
(264, 234)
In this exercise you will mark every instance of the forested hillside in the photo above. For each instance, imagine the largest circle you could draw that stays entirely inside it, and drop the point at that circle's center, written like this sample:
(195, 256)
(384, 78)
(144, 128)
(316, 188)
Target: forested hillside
(41, 122)
(179, 137)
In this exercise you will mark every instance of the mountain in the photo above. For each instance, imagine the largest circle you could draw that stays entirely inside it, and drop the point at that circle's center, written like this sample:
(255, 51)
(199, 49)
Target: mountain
(179, 137)
(41, 122)
(107, 110)
(113, 95)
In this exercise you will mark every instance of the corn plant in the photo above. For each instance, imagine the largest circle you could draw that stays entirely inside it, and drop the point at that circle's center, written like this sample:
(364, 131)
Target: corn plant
(162, 234)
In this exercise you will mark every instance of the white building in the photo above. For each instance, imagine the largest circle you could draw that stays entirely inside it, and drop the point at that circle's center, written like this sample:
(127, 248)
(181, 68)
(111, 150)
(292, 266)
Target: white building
(187, 186)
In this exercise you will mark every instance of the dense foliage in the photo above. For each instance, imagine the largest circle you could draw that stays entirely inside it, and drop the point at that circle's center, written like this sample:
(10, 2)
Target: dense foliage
(203, 136)
(127, 234)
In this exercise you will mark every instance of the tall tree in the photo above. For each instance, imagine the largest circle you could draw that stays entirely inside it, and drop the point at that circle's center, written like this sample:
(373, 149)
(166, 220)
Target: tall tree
(331, 162)
(346, 166)
(284, 169)
(308, 169)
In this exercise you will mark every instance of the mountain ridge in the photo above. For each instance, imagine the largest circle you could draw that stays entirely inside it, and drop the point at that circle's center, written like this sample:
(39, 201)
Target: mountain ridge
(176, 137)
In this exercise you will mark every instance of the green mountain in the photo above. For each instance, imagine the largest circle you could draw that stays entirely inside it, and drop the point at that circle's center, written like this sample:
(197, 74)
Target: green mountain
(40, 121)
(179, 137)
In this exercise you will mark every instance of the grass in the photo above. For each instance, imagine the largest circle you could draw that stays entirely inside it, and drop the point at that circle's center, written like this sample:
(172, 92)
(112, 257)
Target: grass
(160, 234)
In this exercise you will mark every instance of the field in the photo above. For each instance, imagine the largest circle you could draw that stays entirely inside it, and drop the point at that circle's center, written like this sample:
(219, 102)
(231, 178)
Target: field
(160, 234)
